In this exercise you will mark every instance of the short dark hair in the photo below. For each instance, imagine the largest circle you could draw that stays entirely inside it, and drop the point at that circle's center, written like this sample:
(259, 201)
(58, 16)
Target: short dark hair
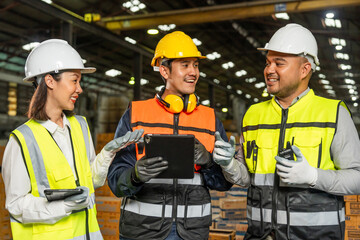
(166, 63)
(38, 100)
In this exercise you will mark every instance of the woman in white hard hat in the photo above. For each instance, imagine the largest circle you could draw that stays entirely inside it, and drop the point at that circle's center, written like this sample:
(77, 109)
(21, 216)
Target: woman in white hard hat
(54, 150)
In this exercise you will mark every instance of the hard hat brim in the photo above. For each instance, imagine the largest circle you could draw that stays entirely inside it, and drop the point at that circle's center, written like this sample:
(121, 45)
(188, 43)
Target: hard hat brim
(83, 71)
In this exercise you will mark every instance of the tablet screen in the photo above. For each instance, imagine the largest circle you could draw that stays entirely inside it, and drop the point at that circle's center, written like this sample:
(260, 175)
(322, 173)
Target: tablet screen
(178, 150)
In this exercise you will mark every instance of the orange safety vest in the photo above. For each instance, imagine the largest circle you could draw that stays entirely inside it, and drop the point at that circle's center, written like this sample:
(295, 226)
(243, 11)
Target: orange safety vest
(151, 116)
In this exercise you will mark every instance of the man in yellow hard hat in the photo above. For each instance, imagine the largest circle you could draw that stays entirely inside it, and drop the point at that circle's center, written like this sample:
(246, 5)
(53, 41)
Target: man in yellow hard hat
(169, 208)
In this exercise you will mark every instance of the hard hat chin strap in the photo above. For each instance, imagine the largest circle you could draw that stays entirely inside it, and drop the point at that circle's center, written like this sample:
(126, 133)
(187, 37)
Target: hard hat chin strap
(311, 61)
(38, 79)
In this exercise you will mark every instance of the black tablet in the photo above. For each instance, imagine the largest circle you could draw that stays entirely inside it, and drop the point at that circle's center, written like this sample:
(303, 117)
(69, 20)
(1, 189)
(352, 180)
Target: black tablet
(178, 150)
(60, 194)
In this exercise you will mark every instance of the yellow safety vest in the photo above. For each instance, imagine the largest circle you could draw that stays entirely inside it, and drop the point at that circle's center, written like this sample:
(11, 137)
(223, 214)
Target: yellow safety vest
(48, 168)
(289, 210)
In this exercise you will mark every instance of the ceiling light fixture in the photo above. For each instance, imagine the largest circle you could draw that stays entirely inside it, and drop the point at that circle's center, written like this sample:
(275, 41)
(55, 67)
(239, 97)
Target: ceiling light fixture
(113, 73)
(152, 31)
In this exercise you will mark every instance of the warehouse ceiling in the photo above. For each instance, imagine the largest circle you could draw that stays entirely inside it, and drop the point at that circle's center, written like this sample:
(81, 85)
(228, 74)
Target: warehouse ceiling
(229, 30)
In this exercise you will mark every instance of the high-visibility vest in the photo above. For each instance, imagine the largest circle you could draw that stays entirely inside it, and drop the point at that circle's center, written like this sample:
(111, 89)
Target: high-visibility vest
(48, 168)
(291, 211)
(151, 212)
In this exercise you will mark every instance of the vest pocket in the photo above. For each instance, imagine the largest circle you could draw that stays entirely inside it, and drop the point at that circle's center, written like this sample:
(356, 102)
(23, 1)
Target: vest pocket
(140, 212)
(62, 228)
(196, 197)
(315, 211)
(261, 152)
(311, 148)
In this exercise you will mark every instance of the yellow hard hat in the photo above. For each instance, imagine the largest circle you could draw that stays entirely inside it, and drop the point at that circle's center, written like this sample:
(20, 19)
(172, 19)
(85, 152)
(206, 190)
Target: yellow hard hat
(175, 45)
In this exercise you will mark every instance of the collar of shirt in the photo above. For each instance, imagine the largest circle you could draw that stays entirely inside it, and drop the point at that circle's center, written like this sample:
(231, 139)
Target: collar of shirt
(295, 99)
(52, 127)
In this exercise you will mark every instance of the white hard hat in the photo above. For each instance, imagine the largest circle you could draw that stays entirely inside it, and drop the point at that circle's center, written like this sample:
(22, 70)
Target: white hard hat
(53, 55)
(294, 39)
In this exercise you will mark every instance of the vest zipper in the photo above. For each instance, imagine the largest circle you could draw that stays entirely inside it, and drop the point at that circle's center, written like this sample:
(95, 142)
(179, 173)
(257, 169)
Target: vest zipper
(176, 123)
(284, 117)
(175, 201)
(72, 148)
(176, 132)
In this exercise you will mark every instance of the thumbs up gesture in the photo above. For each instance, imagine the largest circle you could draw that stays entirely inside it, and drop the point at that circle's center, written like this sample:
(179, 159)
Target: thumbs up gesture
(223, 151)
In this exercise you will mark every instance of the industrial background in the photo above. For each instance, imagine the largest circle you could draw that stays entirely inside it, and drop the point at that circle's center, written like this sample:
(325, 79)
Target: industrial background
(118, 37)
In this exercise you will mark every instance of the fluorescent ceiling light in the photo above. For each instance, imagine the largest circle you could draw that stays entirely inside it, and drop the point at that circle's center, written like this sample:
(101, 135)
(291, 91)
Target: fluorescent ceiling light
(329, 22)
(228, 65)
(197, 41)
(213, 56)
(344, 56)
(239, 92)
(344, 67)
(228, 87)
(330, 15)
(202, 74)
(321, 75)
(349, 81)
(260, 85)
(130, 40)
(250, 80)
(144, 81)
(217, 81)
(30, 46)
(113, 73)
(224, 110)
(152, 31)
(338, 47)
(205, 102)
(241, 73)
(325, 82)
(166, 28)
(338, 41)
(134, 5)
(282, 16)
(248, 96)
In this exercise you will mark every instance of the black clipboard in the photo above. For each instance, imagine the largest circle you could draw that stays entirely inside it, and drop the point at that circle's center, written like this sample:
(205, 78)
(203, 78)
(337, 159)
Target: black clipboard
(178, 150)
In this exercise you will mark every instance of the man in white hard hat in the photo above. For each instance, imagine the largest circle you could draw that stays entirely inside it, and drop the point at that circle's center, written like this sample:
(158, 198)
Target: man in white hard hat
(302, 151)
(54, 150)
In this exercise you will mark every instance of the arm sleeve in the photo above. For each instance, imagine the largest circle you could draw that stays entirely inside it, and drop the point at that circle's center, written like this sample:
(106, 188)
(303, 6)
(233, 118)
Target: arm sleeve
(20, 203)
(119, 175)
(345, 150)
(237, 172)
(213, 176)
(99, 165)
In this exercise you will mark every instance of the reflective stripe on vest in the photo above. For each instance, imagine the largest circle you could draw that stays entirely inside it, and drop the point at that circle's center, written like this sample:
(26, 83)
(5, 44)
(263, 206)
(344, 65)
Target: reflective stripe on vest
(196, 180)
(86, 134)
(156, 210)
(48, 168)
(298, 218)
